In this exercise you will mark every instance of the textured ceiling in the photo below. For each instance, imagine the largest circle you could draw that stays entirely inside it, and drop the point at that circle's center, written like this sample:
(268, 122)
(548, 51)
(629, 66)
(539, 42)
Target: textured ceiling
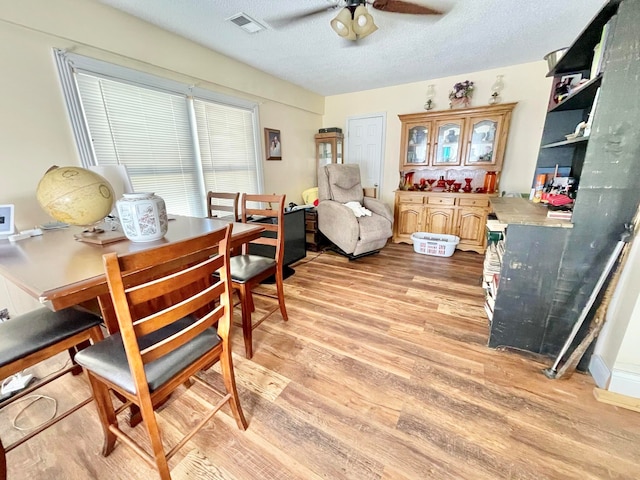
(473, 35)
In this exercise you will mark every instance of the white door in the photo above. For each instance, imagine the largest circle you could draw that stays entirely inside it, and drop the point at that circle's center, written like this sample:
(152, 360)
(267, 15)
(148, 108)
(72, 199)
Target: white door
(364, 146)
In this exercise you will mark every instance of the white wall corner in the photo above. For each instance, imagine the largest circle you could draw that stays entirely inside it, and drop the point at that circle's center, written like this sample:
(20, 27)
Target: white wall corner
(599, 371)
(625, 383)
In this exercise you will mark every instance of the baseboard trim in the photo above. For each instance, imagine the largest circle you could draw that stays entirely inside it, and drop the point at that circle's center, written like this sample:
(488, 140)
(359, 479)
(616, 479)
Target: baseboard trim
(612, 398)
(625, 383)
(599, 371)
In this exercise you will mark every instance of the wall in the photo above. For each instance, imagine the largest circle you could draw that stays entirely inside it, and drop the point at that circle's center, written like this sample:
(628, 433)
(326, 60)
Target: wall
(525, 84)
(34, 128)
(615, 361)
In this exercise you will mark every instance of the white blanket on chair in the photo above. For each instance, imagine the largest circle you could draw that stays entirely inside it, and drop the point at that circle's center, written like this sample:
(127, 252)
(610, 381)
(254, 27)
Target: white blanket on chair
(357, 209)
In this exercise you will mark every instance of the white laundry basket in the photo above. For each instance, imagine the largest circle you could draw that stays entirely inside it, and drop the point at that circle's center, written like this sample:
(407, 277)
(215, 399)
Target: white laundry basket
(435, 244)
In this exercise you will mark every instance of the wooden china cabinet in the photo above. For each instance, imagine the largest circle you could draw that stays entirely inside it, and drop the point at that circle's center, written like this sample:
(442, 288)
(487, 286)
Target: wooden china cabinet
(328, 148)
(459, 146)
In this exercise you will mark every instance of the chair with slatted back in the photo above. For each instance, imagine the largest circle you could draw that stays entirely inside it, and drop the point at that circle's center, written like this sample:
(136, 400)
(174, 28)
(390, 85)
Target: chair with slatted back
(34, 337)
(222, 202)
(174, 317)
(248, 271)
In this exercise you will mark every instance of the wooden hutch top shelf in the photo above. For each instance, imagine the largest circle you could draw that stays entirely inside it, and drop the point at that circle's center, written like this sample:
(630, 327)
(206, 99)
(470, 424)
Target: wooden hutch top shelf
(472, 138)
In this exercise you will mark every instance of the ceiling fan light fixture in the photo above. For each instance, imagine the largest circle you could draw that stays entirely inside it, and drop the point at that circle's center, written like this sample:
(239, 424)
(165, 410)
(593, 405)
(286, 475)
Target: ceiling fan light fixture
(363, 23)
(343, 24)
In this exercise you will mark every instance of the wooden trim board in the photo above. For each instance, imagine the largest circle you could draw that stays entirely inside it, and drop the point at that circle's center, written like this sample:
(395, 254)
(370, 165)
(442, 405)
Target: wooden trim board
(617, 399)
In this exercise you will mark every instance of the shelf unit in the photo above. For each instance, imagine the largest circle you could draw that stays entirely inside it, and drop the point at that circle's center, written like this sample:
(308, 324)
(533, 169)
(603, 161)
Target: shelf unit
(566, 143)
(315, 240)
(455, 145)
(328, 148)
(581, 97)
(551, 267)
(469, 138)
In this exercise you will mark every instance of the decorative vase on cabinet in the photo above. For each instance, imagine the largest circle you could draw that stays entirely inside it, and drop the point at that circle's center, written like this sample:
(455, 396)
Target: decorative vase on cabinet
(462, 102)
(143, 216)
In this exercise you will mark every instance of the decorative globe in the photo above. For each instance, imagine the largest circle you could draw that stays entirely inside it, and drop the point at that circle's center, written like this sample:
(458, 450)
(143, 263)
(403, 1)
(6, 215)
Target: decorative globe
(75, 195)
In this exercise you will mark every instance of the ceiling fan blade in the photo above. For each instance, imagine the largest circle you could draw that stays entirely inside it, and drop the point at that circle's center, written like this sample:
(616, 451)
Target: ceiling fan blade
(286, 20)
(400, 6)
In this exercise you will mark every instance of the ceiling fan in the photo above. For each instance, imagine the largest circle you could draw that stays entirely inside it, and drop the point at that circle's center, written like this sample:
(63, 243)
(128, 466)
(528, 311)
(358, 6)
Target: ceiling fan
(354, 21)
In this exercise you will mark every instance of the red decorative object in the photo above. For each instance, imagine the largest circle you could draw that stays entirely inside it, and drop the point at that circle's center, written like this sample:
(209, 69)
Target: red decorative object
(490, 182)
(450, 183)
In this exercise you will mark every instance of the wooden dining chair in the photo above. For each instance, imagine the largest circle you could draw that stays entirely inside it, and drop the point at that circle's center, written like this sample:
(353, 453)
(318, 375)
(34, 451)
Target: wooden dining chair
(33, 337)
(249, 270)
(174, 318)
(229, 204)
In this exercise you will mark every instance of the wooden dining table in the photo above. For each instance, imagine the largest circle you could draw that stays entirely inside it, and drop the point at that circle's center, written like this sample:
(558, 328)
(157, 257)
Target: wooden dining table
(62, 272)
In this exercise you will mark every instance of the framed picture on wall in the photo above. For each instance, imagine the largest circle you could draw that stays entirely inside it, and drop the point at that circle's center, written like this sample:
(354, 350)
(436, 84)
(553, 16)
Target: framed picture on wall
(273, 145)
(6, 220)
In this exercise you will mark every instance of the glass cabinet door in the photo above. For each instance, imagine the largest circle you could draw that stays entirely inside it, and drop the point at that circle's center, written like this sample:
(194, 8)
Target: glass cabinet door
(324, 153)
(448, 143)
(329, 148)
(482, 141)
(417, 144)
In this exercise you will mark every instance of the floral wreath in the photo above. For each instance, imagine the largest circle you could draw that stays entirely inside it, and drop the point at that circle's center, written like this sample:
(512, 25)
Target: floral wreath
(461, 90)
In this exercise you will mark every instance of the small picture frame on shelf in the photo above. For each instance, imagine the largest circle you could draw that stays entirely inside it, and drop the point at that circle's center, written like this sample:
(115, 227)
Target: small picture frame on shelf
(571, 80)
(562, 86)
(272, 144)
(7, 226)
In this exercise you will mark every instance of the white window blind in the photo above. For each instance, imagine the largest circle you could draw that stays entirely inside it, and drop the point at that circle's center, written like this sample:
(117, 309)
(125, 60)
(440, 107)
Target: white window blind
(176, 141)
(148, 131)
(227, 147)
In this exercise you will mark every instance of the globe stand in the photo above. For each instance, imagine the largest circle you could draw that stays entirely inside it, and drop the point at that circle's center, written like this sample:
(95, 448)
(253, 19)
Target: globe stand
(99, 236)
(92, 231)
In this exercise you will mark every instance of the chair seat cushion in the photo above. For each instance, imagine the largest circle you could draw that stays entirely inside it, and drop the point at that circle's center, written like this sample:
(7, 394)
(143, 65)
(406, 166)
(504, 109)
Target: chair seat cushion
(109, 360)
(39, 329)
(245, 267)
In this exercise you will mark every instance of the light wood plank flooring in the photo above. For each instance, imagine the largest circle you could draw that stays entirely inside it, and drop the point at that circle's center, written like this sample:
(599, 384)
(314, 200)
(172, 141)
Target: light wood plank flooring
(381, 372)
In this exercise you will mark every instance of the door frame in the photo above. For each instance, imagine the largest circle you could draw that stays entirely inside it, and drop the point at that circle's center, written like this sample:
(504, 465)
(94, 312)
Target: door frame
(383, 134)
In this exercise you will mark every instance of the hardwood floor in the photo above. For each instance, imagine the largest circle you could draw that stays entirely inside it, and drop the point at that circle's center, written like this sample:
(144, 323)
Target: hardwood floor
(381, 372)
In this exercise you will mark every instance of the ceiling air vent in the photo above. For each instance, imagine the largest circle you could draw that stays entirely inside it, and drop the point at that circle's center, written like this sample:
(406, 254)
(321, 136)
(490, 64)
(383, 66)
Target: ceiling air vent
(246, 23)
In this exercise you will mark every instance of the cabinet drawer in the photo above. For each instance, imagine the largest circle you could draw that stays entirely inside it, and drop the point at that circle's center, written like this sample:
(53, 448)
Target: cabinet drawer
(441, 200)
(410, 198)
(473, 202)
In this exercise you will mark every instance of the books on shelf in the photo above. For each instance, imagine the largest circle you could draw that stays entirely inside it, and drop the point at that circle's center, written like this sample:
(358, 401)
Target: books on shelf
(597, 64)
(495, 281)
(496, 225)
(489, 311)
(491, 302)
(560, 214)
(592, 113)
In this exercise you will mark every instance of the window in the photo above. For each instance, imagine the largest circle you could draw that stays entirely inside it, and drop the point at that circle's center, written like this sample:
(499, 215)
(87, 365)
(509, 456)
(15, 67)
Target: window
(175, 140)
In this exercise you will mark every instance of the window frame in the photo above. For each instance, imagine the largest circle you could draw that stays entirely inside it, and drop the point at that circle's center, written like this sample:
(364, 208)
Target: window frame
(68, 63)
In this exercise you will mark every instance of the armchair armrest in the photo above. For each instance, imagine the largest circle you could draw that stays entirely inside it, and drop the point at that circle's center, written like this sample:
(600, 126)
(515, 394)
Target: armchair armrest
(378, 207)
(338, 224)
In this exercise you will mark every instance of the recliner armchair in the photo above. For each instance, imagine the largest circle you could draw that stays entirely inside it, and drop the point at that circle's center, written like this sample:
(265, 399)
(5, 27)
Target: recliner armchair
(354, 236)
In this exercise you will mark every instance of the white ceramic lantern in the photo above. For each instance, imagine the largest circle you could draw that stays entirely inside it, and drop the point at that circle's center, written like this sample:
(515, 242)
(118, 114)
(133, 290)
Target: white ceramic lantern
(143, 216)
